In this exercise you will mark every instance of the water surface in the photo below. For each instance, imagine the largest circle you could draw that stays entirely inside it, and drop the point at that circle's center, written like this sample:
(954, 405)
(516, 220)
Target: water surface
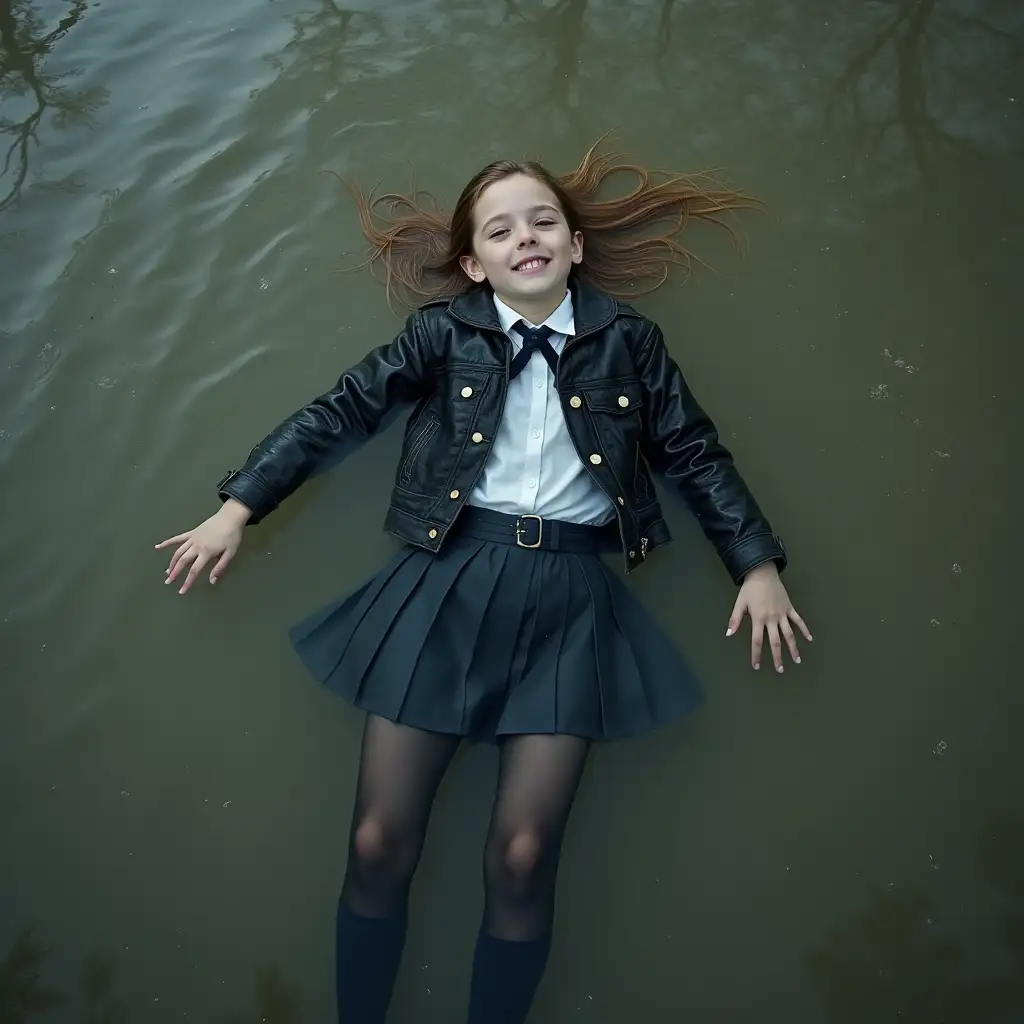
(844, 843)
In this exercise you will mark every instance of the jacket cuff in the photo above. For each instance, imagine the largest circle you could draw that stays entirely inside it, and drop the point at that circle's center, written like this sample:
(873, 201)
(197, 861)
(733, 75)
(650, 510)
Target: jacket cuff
(753, 551)
(249, 491)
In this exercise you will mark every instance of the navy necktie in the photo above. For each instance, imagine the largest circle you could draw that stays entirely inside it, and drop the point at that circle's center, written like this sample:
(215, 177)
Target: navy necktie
(535, 339)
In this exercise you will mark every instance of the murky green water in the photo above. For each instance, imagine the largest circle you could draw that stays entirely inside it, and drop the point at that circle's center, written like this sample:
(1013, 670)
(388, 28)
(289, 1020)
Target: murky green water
(841, 844)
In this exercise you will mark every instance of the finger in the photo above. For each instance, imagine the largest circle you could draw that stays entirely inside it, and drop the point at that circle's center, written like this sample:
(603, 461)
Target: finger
(197, 568)
(173, 540)
(172, 568)
(222, 564)
(800, 622)
(790, 637)
(756, 642)
(180, 561)
(776, 641)
(175, 564)
(737, 616)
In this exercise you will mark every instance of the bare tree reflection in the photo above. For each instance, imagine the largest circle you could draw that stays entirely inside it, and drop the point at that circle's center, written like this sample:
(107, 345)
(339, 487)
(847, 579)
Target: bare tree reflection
(896, 961)
(24, 43)
(277, 999)
(322, 35)
(101, 1006)
(22, 994)
(906, 40)
(665, 27)
(1001, 856)
(563, 24)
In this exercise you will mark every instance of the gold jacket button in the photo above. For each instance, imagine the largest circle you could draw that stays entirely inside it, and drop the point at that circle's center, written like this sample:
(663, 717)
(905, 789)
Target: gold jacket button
(575, 401)
(467, 392)
(432, 534)
(477, 437)
(623, 401)
(453, 495)
(595, 459)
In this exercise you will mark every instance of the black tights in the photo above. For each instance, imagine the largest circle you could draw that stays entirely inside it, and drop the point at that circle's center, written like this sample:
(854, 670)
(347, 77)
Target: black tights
(399, 774)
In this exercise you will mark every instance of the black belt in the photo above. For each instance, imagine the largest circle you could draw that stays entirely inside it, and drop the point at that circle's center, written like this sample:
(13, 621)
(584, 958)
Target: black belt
(530, 531)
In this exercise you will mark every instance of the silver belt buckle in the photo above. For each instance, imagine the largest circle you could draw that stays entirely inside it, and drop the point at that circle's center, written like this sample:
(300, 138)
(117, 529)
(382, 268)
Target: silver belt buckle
(519, 531)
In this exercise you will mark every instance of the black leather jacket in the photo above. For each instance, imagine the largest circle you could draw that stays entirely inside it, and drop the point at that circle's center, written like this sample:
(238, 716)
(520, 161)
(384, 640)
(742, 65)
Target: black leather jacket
(626, 405)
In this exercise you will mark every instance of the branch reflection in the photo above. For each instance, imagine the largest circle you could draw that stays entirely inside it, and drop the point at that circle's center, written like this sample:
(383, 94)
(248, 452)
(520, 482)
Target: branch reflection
(22, 994)
(277, 999)
(897, 961)
(26, 996)
(934, 55)
(24, 44)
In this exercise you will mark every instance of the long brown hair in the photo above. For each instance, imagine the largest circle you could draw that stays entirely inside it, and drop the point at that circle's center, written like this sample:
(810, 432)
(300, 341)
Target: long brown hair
(416, 246)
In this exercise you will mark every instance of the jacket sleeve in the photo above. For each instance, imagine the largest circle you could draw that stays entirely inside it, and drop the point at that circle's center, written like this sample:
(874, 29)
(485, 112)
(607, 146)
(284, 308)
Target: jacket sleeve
(682, 443)
(351, 412)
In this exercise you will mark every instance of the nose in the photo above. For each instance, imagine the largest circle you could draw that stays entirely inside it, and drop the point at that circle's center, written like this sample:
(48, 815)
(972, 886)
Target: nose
(526, 236)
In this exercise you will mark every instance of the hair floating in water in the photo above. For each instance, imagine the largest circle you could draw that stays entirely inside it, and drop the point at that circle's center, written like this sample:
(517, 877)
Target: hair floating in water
(631, 240)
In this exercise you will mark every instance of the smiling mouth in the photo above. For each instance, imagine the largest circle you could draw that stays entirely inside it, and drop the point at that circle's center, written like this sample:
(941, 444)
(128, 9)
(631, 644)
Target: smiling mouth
(533, 263)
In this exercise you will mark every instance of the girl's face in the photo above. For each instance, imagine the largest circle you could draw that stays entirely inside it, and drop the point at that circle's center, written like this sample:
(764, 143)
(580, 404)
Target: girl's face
(522, 244)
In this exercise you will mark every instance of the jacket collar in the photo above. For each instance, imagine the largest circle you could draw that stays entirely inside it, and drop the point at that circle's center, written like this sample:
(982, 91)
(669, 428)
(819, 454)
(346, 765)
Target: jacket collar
(561, 320)
(592, 309)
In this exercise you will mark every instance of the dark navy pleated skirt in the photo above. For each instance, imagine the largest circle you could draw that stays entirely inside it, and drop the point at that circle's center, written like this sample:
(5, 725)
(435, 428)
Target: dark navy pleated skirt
(486, 639)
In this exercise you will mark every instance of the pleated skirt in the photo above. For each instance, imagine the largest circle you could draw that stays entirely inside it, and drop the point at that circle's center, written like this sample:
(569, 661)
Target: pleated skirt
(486, 640)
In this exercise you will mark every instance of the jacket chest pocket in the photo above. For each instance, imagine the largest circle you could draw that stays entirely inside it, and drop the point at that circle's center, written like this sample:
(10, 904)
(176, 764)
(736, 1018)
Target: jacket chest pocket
(616, 411)
(419, 440)
(625, 399)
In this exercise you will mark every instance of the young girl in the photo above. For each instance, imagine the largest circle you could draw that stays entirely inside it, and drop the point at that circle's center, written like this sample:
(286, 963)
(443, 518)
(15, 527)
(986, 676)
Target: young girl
(542, 404)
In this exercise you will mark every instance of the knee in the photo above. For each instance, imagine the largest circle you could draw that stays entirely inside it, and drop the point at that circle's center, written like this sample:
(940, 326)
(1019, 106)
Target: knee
(369, 846)
(380, 849)
(516, 861)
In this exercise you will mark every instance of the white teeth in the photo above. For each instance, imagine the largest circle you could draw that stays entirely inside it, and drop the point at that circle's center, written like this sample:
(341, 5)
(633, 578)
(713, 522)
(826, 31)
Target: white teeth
(530, 265)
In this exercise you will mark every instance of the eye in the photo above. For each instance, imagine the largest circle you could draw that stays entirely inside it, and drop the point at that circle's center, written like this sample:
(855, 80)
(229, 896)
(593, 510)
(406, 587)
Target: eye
(545, 222)
(498, 233)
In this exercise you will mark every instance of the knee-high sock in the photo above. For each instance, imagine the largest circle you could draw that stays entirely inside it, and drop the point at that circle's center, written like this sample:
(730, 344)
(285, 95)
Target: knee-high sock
(505, 977)
(368, 952)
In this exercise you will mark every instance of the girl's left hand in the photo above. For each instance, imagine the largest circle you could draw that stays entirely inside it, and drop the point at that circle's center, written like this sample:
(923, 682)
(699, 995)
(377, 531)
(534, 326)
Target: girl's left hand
(764, 597)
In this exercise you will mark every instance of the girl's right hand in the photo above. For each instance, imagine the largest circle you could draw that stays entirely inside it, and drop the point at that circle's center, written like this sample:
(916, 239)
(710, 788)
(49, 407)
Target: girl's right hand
(217, 538)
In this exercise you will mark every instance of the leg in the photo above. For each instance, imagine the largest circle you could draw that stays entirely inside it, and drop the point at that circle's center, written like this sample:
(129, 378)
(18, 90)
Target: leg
(537, 783)
(399, 773)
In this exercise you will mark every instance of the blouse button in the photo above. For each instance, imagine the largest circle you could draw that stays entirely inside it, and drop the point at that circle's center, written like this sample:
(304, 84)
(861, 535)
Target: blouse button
(477, 437)
(595, 459)
(432, 534)
(467, 392)
(623, 401)
(453, 495)
(575, 401)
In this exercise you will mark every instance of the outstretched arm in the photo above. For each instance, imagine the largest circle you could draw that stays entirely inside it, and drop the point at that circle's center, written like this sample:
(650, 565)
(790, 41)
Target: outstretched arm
(682, 442)
(352, 410)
